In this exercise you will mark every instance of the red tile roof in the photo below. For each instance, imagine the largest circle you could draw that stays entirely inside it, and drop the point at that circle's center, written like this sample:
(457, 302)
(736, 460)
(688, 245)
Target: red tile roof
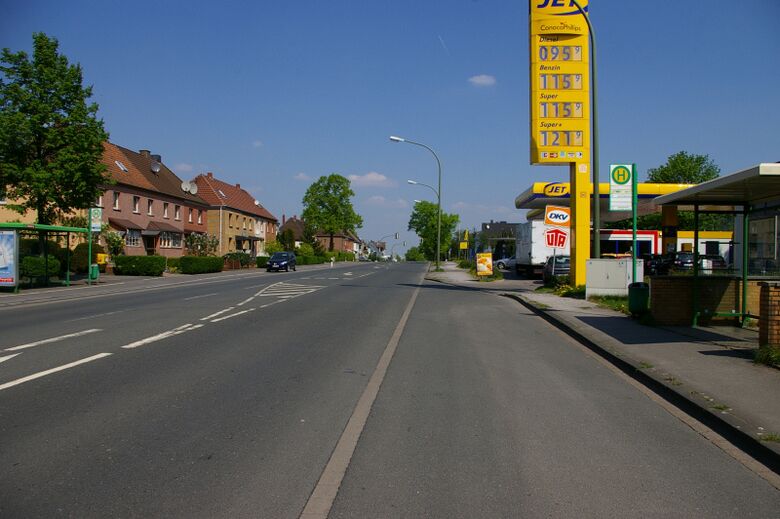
(217, 193)
(296, 224)
(139, 173)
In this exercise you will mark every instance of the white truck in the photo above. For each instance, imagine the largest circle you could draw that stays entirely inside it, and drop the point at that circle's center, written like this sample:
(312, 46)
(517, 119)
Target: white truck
(531, 248)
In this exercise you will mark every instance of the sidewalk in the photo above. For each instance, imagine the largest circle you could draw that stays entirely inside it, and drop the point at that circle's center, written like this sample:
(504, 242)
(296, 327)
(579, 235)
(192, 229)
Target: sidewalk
(706, 370)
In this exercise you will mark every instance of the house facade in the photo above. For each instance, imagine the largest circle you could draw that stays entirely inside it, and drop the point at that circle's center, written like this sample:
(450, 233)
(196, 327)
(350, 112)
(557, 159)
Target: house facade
(236, 218)
(148, 204)
(296, 226)
(344, 241)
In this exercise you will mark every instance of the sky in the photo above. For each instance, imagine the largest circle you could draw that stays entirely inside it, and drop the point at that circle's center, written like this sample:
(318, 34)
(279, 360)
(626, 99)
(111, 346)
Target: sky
(273, 95)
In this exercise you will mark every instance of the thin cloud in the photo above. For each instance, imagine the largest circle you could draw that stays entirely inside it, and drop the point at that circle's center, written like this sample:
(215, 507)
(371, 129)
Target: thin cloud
(444, 45)
(257, 144)
(380, 201)
(483, 80)
(303, 177)
(371, 179)
(183, 168)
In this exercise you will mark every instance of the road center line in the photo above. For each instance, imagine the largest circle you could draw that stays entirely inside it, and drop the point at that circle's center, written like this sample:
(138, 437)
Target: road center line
(8, 357)
(321, 500)
(53, 370)
(232, 315)
(164, 335)
(53, 339)
(245, 301)
(198, 297)
(217, 313)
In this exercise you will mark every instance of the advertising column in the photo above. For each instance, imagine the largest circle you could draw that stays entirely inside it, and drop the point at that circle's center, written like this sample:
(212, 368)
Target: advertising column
(560, 109)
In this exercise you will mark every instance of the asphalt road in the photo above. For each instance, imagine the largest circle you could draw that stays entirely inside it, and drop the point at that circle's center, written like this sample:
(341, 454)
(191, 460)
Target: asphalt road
(225, 396)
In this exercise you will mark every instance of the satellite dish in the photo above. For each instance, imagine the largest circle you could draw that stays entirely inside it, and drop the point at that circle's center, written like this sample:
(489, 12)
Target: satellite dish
(185, 186)
(193, 188)
(257, 202)
(155, 166)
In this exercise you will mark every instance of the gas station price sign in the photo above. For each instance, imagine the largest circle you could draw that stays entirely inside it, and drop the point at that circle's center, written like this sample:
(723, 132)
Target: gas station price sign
(560, 79)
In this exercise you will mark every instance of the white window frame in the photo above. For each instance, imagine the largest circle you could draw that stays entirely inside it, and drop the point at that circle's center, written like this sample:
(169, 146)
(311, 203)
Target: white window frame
(136, 204)
(170, 240)
(189, 215)
(150, 207)
(176, 212)
(133, 238)
(165, 209)
(116, 200)
(200, 216)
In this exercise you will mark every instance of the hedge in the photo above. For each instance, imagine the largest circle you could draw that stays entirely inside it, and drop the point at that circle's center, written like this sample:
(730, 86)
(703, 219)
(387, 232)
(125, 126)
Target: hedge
(172, 264)
(35, 266)
(262, 261)
(200, 264)
(243, 258)
(139, 265)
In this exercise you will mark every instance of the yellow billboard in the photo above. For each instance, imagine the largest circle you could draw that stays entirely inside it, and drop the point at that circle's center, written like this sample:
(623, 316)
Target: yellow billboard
(484, 264)
(560, 82)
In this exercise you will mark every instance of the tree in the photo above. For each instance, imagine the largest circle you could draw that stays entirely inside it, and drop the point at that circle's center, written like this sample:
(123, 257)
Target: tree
(327, 206)
(423, 222)
(287, 239)
(684, 168)
(50, 137)
(198, 244)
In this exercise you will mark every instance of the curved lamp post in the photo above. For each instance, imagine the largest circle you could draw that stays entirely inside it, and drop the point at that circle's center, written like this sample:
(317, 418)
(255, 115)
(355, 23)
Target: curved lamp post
(437, 191)
(393, 235)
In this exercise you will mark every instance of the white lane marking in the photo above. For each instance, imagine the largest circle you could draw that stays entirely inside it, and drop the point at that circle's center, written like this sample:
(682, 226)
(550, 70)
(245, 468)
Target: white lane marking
(53, 339)
(91, 316)
(198, 297)
(232, 315)
(245, 301)
(348, 273)
(52, 370)
(164, 335)
(217, 313)
(8, 357)
(321, 499)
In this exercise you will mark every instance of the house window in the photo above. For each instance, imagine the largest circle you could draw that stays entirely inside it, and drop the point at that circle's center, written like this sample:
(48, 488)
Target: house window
(230, 220)
(177, 212)
(170, 240)
(165, 209)
(200, 216)
(133, 238)
(150, 207)
(99, 202)
(136, 204)
(116, 200)
(243, 224)
(189, 215)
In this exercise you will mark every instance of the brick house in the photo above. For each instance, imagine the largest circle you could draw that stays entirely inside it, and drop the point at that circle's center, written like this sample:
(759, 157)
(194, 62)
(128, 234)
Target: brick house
(344, 241)
(296, 225)
(148, 203)
(236, 218)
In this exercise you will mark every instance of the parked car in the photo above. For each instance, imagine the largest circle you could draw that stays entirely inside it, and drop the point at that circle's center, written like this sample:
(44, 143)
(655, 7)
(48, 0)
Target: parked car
(682, 260)
(709, 262)
(655, 265)
(506, 263)
(281, 261)
(555, 267)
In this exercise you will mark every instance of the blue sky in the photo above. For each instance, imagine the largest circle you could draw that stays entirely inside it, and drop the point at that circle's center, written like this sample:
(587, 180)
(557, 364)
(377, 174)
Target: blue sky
(272, 95)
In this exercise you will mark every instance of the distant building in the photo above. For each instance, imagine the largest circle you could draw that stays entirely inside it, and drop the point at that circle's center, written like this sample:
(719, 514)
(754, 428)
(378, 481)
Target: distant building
(498, 238)
(296, 225)
(236, 218)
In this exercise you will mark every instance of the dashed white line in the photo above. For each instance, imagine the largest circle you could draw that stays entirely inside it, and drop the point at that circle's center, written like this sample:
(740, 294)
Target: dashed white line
(164, 335)
(53, 370)
(91, 316)
(232, 315)
(217, 313)
(198, 297)
(53, 339)
(245, 301)
(8, 357)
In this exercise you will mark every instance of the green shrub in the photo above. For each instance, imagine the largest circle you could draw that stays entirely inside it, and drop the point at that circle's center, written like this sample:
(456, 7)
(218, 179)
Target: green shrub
(35, 266)
(172, 264)
(78, 259)
(139, 265)
(768, 355)
(262, 261)
(304, 249)
(463, 264)
(242, 257)
(200, 264)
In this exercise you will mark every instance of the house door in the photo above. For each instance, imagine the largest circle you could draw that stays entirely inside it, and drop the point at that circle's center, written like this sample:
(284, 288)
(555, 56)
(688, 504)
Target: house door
(149, 245)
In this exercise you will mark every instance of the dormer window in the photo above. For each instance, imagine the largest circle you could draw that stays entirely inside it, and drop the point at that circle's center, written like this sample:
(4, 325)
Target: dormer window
(121, 166)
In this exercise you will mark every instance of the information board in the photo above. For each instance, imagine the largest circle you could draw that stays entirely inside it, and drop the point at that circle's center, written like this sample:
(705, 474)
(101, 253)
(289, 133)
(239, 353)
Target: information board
(560, 79)
(9, 254)
(621, 197)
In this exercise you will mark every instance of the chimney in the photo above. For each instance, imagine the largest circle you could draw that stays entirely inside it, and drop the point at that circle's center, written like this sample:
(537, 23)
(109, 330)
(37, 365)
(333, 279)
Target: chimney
(238, 186)
(144, 153)
(284, 219)
(158, 158)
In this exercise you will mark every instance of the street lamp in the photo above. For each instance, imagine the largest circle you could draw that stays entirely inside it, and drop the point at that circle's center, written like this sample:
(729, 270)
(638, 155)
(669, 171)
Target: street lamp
(437, 191)
(394, 235)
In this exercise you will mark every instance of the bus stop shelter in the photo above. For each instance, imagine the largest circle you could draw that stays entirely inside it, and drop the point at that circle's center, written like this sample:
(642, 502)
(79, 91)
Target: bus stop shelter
(753, 196)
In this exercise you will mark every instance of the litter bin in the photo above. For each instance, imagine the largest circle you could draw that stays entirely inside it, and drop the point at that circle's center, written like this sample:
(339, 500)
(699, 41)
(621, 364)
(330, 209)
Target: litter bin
(638, 298)
(94, 272)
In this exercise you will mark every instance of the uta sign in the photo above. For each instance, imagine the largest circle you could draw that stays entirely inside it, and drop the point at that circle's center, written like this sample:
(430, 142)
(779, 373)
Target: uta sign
(556, 238)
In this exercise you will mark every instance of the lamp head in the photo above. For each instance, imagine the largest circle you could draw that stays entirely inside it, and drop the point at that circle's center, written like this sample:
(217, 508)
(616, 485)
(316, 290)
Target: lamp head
(411, 182)
(397, 139)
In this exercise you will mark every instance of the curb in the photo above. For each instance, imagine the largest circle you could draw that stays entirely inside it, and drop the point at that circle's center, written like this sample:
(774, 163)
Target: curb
(727, 425)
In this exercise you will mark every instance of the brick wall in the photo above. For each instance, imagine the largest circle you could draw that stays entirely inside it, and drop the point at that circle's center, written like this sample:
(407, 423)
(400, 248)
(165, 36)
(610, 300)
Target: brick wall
(769, 324)
(671, 298)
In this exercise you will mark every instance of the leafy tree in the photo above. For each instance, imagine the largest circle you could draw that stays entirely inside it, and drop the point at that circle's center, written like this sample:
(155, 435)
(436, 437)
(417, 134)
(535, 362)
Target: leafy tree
(414, 254)
(327, 206)
(684, 168)
(423, 222)
(287, 239)
(115, 243)
(50, 137)
(198, 244)
(310, 239)
(274, 246)
(304, 249)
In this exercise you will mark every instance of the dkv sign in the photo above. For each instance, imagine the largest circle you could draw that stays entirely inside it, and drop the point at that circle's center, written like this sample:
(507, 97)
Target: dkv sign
(556, 238)
(557, 215)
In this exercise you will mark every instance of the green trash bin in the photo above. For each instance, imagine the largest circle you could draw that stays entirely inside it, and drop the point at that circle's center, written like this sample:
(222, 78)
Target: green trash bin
(638, 298)
(94, 272)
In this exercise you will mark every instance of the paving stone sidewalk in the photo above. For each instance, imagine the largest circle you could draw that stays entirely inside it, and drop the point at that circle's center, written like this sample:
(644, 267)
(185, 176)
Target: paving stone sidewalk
(710, 368)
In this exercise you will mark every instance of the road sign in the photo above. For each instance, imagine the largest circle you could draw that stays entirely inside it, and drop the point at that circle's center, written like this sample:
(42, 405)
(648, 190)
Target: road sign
(464, 245)
(560, 82)
(620, 190)
(95, 219)
(556, 238)
(557, 215)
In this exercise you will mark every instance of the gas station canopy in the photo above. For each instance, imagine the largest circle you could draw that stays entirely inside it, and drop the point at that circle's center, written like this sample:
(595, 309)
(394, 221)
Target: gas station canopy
(541, 194)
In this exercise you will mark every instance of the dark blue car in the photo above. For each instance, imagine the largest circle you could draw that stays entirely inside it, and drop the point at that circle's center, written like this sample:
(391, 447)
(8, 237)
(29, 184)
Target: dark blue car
(281, 261)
